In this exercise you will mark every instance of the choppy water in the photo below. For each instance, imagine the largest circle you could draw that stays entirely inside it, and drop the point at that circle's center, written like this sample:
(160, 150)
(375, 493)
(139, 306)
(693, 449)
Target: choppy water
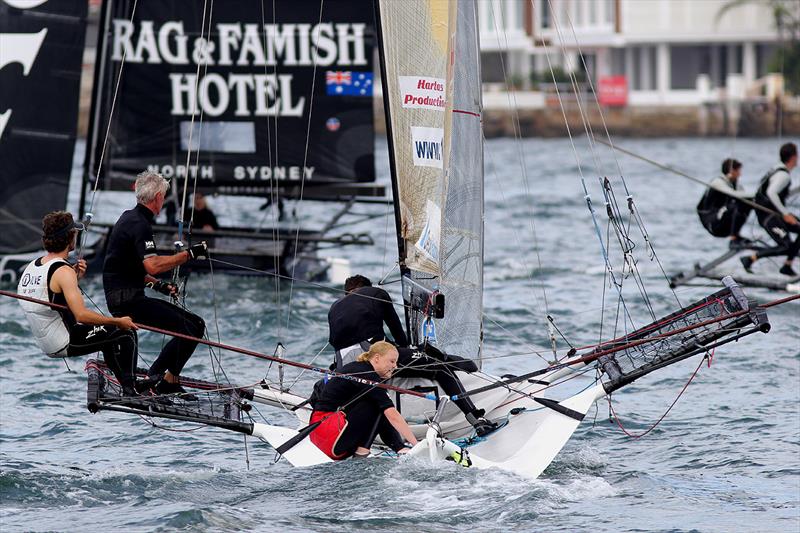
(726, 459)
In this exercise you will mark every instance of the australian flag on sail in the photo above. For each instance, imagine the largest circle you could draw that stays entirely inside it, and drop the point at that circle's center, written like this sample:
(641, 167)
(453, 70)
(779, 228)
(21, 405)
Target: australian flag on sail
(348, 83)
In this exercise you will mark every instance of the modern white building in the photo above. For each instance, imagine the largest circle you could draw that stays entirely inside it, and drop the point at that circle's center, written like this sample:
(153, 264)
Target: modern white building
(669, 51)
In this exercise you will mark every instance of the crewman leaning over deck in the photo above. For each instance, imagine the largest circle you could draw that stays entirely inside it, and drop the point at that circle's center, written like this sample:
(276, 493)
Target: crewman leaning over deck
(130, 264)
(352, 413)
(780, 224)
(721, 210)
(75, 330)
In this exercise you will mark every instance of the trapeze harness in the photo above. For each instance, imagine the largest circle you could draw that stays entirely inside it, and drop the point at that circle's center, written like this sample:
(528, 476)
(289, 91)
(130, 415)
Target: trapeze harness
(774, 223)
(352, 414)
(47, 324)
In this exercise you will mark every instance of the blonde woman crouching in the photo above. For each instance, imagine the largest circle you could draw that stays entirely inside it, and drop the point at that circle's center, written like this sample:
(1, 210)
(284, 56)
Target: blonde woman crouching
(353, 413)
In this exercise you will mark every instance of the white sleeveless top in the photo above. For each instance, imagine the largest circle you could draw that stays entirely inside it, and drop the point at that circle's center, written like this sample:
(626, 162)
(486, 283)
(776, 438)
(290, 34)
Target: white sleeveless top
(49, 330)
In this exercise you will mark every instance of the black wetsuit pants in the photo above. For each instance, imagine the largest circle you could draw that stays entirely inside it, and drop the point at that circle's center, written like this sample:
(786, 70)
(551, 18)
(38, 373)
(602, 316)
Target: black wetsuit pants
(364, 422)
(730, 223)
(164, 315)
(119, 348)
(414, 363)
(780, 232)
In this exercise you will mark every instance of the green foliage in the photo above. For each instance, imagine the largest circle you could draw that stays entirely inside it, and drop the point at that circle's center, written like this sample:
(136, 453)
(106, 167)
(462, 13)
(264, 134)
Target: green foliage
(560, 75)
(787, 61)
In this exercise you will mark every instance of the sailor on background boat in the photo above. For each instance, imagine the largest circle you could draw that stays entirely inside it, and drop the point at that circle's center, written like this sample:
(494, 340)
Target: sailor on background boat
(130, 264)
(772, 194)
(352, 413)
(203, 217)
(77, 330)
(356, 321)
(720, 209)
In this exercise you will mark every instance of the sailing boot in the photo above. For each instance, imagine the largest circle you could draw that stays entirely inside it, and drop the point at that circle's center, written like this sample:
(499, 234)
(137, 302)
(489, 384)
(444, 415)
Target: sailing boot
(747, 263)
(787, 270)
(482, 426)
(165, 387)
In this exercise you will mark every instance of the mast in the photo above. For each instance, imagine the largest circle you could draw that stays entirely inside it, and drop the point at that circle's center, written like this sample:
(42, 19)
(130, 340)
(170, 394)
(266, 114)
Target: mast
(91, 134)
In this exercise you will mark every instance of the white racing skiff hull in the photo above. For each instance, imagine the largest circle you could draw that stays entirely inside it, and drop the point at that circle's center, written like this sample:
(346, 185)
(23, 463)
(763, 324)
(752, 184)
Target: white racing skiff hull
(528, 439)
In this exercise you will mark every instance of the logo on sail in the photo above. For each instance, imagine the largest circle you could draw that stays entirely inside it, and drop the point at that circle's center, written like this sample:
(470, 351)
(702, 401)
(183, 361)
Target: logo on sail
(427, 146)
(422, 92)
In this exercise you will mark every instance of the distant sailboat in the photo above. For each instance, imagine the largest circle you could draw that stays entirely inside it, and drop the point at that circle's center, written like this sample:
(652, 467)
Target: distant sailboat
(236, 101)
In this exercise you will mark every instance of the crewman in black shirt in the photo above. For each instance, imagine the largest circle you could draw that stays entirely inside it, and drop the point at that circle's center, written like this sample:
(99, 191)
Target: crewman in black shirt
(203, 217)
(721, 210)
(130, 264)
(356, 322)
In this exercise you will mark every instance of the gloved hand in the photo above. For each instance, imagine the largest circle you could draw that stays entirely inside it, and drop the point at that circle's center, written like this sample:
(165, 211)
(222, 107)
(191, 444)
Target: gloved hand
(198, 251)
(164, 287)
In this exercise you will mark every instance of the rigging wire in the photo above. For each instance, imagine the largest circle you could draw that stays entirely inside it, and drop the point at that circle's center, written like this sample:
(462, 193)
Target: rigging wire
(622, 236)
(512, 104)
(587, 197)
(206, 52)
(200, 132)
(274, 190)
(90, 211)
(632, 206)
(303, 178)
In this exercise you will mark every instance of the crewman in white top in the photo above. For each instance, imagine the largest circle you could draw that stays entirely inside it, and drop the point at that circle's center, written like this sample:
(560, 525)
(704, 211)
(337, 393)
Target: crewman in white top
(780, 224)
(75, 330)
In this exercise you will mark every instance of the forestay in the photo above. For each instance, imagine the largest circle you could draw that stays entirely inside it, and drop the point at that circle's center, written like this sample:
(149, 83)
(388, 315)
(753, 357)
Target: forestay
(433, 99)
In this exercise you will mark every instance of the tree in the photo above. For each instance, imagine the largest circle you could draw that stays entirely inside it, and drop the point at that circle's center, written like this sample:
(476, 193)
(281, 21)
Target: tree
(786, 18)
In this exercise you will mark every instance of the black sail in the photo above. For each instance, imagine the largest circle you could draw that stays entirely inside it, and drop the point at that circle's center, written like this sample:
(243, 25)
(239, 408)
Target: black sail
(41, 50)
(280, 97)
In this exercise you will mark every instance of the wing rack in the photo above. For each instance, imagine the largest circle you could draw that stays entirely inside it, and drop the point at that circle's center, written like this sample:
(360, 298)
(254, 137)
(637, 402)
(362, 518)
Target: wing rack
(718, 319)
(218, 407)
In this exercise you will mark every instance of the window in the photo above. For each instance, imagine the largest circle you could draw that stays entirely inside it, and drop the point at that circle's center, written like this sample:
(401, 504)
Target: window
(547, 19)
(611, 12)
(518, 14)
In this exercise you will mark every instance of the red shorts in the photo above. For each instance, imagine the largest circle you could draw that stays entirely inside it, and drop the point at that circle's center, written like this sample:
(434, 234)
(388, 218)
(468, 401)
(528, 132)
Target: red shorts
(327, 434)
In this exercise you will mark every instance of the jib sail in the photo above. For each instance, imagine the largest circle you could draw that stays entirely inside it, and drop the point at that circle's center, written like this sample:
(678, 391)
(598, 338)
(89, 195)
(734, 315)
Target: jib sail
(432, 92)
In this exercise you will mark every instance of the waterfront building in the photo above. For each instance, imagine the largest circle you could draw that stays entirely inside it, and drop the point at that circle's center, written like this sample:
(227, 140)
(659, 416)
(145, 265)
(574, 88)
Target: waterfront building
(664, 52)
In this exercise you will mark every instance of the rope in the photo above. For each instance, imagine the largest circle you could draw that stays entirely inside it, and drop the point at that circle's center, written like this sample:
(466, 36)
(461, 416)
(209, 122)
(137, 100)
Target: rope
(512, 104)
(303, 178)
(191, 124)
(661, 418)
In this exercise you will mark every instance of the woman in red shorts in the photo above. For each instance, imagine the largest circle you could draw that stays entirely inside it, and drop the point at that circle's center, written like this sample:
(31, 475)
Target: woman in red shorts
(352, 413)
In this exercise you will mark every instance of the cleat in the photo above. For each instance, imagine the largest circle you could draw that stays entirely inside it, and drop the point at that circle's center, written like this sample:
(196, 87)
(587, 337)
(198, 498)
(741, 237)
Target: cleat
(787, 270)
(747, 263)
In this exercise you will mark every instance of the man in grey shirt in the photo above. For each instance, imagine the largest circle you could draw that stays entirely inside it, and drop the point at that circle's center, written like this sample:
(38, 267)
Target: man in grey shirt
(780, 223)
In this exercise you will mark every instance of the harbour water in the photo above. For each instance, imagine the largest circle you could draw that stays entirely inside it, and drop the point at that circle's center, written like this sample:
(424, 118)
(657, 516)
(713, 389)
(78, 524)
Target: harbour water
(727, 457)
